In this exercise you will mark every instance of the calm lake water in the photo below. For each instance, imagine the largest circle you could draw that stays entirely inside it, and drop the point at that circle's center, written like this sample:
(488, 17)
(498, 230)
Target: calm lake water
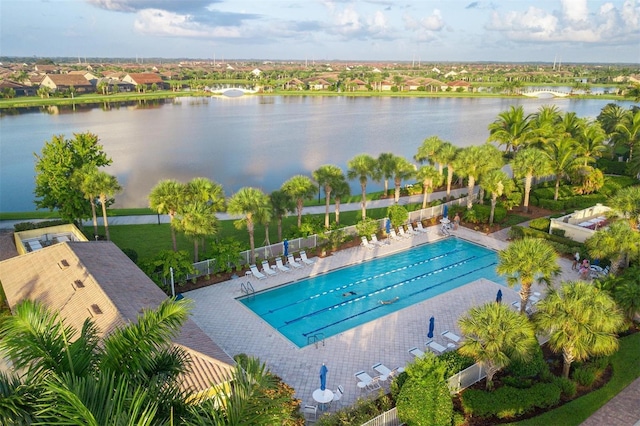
(247, 141)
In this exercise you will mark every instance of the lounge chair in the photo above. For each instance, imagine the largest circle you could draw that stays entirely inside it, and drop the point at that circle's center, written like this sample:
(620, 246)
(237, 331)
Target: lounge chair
(436, 347)
(259, 275)
(402, 233)
(385, 371)
(337, 395)
(451, 336)
(365, 243)
(266, 268)
(291, 261)
(365, 381)
(305, 260)
(420, 228)
(375, 241)
(411, 230)
(310, 412)
(393, 235)
(280, 266)
(416, 352)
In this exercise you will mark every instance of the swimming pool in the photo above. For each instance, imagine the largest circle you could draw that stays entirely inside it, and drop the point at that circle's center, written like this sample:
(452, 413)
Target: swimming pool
(328, 304)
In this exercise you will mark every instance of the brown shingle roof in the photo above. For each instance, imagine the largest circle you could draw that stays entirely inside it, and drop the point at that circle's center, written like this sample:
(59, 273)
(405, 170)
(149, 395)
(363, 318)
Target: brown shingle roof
(145, 78)
(113, 283)
(69, 80)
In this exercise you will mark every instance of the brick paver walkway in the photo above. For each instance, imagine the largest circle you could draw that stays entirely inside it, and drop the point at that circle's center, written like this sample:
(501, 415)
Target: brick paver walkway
(622, 410)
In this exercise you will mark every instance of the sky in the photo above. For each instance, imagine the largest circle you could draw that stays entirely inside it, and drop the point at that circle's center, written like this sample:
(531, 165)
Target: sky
(323, 30)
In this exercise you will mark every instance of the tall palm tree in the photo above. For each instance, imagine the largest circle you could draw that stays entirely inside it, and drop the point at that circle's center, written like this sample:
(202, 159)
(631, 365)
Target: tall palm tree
(591, 142)
(627, 132)
(626, 202)
(494, 335)
(197, 220)
(385, 164)
(281, 204)
(299, 188)
(529, 163)
(497, 183)
(402, 170)
(166, 198)
(430, 178)
(443, 155)
(581, 321)
(512, 129)
(327, 176)
(362, 167)
(525, 261)
(427, 151)
(87, 184)
(562, 158)
(341, 189)
(472, 161)
(251, 203)
(610, 116)
(107, 186)
(446, 155)
(618, 242)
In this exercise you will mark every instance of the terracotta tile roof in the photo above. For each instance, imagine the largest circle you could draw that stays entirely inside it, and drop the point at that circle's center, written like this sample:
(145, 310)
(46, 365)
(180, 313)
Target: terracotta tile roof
(145, 78)
(96, 279)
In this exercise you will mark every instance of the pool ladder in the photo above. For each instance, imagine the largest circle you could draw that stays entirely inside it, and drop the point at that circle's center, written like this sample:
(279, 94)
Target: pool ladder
(319, 337)
(247, 288)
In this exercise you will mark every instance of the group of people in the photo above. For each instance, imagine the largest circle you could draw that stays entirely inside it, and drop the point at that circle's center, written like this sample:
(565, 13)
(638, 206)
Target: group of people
(583, 268)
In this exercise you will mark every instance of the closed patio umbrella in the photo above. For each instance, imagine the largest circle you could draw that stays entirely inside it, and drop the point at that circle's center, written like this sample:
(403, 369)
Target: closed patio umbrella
(286, 247)
(499, 296)
(323, 377)
(432, 326)
(388, 226)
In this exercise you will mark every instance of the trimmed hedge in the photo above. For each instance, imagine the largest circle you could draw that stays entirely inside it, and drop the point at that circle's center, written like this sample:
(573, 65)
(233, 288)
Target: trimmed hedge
(26, 226)
(508, 402)
(455, 362)
(521, 232)
(541, 224)
(421, 404)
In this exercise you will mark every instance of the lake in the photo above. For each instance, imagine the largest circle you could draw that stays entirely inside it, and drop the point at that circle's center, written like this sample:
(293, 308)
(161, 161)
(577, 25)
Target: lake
(256, 141)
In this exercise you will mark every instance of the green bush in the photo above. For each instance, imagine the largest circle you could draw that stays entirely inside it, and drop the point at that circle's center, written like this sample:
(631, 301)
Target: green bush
(531, 368)
(131, 254)
(397, 214)
(517, 382)
(366, 227)
(455, 362)
(509, 402)
(559, 232)
(397, 383)
(533, 233)
(584, 375)
(612, 167)
(580, 202)
(516, 233)
(552, 204)
(567, 387)
(541, 224)
(563, 248)
(26, 226)
(421, 404)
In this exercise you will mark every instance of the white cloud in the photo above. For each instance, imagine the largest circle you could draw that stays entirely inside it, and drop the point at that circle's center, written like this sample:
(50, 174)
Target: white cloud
(162, 23)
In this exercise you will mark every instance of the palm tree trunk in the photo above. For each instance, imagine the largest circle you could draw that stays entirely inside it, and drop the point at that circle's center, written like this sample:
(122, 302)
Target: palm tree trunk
(279, 228)
(172, 215)
(386, 187)
(449, 180)
(494, 201)
(327, 196)
(252, 243)
(527, 190)
(568, 360)
(555, 195)
(103, 201)
(525, 292)
(337, 211)
(300, 212)
(364, 200)
(195, 251)
(95, 218)
(396, 197)
(424, 195)
(470, 187)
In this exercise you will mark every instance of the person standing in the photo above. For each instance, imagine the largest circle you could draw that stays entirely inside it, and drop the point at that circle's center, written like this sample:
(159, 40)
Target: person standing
(456, 221)
(576, 260)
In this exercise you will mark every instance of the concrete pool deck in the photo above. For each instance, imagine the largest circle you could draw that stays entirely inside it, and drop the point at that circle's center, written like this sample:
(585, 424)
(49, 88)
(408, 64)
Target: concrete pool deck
(237, 329)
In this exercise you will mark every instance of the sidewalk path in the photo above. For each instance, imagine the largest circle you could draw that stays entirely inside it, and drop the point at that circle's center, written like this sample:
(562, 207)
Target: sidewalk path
(622, 410)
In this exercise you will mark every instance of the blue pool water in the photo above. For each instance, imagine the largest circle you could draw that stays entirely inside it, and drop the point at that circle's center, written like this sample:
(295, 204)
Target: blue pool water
(328, 304)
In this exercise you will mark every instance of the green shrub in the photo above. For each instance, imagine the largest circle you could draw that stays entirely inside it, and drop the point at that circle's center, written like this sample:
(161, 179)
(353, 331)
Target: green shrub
(509, 402)
(584, 375)
(455, 362)
(516, 233)
(580, 202)
(552, 204)
(517, 382)
(562, 248)
(541, 224)
(531, 368)
(421, 404)
(612, 167)
(131, 254)
(601, 362)
(26, 226)
(567, 387)
(559, 232)
(367, 226)
(397, 214)
(397, 383)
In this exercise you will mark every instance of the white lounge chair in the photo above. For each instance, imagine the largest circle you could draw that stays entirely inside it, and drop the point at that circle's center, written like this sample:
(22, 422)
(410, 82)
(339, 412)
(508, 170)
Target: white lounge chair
(436, 347)
(291, 261)
(280, 266)
(402, 233)
(416, 352)
(451, 336)
(375, 241)
(254, 270)
(305, 260)
(310, 412)
(420, 228)
(365, 243)
(365, 381)
(393, 235)
(266, 268)
(385, 371)
(411, 230)
(337, 395)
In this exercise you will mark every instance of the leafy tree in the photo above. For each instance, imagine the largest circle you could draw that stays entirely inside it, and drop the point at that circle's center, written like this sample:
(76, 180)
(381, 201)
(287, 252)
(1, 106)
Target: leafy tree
(367, 227)
(430, 178)
(472, 161)
(281, 204)
(497, 183)
(512, 129)
(529, 163)
(610, 116)
(494, 335)
(362, 167)
(627, 131)
(398, 215)
(525, 261)
(385, 165)
(327, 177)
(446, 155)
(56, 188)
(581, 321)
(428, 150)
(299, 188)
(560, 153)
(618, 242)
(591, 142)
(159, 268)
(167, 198)
(402, 170)
(250, 203)
(627, 203)
(107, 186)
(87, 184)
(340, 189)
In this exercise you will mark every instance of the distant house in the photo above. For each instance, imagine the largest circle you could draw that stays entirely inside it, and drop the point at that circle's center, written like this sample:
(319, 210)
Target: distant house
(86, 74)
(256, 72)
(356, 84)
(146, 79)
(459, 84)
(81, 280)
(319, 84)
(294, 84)
(385, 85)
(62, 82)
(46, 69)
(19, 89)
(115, 85)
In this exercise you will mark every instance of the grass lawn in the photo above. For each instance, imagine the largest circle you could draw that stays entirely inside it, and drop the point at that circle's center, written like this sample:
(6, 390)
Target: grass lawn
(626, 368)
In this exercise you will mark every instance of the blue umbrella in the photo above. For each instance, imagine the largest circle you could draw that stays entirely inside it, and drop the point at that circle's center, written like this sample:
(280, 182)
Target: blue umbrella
(323, 377)
(499, 296)
(388, 226)
(432, 326)
(286, 247)
(446, 211)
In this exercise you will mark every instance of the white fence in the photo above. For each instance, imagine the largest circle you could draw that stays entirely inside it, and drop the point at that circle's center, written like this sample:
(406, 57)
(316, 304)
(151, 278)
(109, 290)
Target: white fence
(388, 418)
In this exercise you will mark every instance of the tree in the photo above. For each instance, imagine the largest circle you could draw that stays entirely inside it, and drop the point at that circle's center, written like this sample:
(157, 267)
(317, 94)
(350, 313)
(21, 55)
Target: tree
(497, 183)
(446, 155)
(167, 198)
(626, 202)
(341, 189)
(610, 116)
(512, 129)
(427, 151)
(251, 203)
(386, 164)
(581, 321)
(529, 163)
(430, 178)
(197, 220)
(591, 142)
(494, 335)
(560, 153)
(402, 170)
(107, 186)
(618, 242)
(87, 184)
(299, 188)
(525, 261)
(627, 131)
(56, 188)
(472, 161)
(327, 177)
(281, 204)
(362, 167)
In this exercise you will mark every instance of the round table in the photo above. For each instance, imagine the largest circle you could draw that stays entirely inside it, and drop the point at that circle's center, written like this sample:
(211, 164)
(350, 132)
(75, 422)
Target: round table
(323, 397)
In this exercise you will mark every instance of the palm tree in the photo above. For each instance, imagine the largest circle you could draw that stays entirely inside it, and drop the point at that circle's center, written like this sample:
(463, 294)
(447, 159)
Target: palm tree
(618, 242)
(512, 129)
(497, 183)
(581, 321)
(87, 184)
(385, 164)
(610, 116)
(251, 203)
(327, 176)
(427, 151)
(166, 198)
(591, 142)
(107, 186)
(627, 132)
(525, 261)
(299, 188)
(340, 189)
(362, 167)
(626, 202)
(561, 155)
(73, 376)
(402, 170)
(197, 220)
(430, 178)
(446, 155)
(529, 163)
(472, 161)
(494, 335)
(281, 204)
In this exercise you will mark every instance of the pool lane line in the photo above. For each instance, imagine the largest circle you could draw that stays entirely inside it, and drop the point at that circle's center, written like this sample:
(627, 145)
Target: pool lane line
(381, 306)
(390, 286)
(364, 280)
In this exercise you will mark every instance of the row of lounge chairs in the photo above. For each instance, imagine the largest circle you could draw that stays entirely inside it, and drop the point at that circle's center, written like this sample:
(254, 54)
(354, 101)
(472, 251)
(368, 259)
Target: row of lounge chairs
(453, 340)
(393, 235)
(269, 270)
(366, 382)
